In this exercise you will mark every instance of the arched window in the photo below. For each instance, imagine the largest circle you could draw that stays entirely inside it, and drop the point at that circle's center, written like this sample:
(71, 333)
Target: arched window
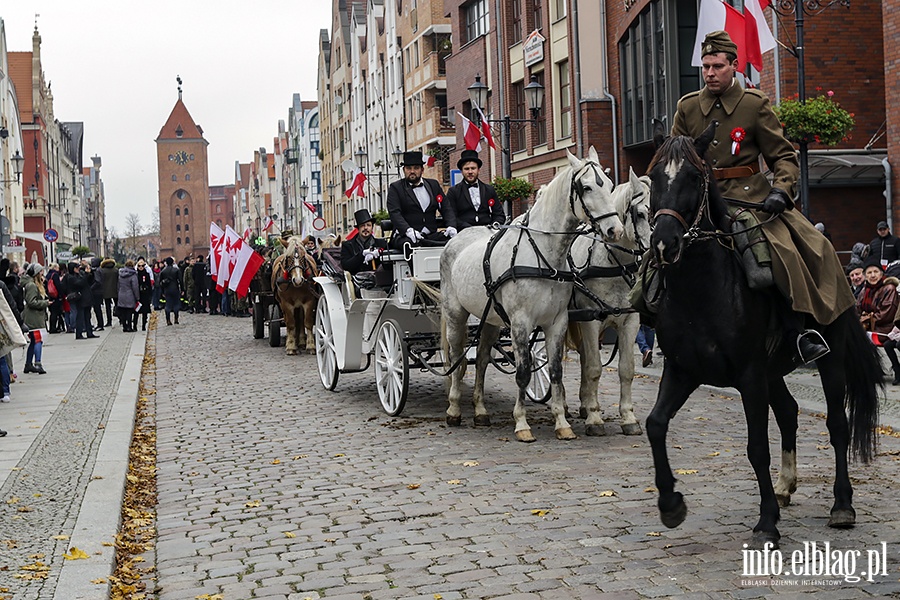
(218, 209)
(187, 177)
(178, 241)
(174, 177)
(185, 211)
(187, 240)
(178, 228)
(219, 223)
(177, 211)
(187, 227)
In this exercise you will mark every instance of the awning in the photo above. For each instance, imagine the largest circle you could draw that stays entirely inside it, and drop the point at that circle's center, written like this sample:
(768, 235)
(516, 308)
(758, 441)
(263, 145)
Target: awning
(832, 168)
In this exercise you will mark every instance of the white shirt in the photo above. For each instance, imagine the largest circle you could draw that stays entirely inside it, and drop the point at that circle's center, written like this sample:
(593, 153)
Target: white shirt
(422, 196)
(475, 195)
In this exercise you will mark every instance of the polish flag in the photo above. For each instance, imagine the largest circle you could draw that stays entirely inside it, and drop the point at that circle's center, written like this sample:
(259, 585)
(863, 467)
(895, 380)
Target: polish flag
(429, 162)
(875, 337)
(310, 207)
(229, 258)
(269, 223)
(471, 134)
(715, 15)
(247, 234)
(486, 128)
(358, 180)
(247, 264)
(216, 236)
(757, 34)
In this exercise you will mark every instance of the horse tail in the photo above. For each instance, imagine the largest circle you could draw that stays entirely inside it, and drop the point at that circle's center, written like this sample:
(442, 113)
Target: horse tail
(862, 365)
(573, 337)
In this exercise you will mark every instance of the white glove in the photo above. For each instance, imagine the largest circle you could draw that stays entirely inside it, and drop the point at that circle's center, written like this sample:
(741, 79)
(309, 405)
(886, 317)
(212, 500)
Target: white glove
(450, 232)
(425, 231)
(369, 255)
(413, 235)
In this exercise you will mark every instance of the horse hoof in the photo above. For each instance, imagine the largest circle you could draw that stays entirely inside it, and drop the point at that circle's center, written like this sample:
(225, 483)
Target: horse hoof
(482, 420)
(632, 429)
(310, 351)
(291, 352)
(566, 433)
(674, 517)
(761, 538)
(525, 436)
(454, 421)
(784, 500)
(582, 412)
(843, 518)
(595, 430)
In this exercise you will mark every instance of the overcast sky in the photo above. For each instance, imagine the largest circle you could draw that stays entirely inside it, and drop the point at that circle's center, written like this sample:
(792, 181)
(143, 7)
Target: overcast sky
(112, 65)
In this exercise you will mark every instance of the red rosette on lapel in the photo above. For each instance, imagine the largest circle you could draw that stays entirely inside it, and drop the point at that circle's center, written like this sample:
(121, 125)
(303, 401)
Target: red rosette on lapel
(738, 135)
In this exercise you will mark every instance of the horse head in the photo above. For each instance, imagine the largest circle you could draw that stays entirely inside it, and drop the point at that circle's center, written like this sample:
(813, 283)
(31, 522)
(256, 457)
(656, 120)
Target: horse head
(679, 192)
(591, 196)
(296, 262)
(634, 210)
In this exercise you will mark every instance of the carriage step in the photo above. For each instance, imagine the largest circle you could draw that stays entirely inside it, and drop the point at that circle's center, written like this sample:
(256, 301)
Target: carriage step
(587, 314)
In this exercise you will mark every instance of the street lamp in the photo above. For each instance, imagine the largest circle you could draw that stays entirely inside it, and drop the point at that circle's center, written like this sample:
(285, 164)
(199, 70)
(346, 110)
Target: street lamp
(17, 161)
(534, 96)
(398, 156)
(303, 190)
(33, 194)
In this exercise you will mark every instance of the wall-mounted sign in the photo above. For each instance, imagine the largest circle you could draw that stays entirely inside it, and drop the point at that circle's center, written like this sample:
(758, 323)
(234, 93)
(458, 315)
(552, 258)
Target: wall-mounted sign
(533, 48)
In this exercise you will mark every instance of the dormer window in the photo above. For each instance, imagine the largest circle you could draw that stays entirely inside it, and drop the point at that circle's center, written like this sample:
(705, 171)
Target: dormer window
(179, 132)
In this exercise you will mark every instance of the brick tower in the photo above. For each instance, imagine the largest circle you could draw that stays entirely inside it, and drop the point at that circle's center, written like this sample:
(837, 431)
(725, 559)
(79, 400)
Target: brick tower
(183, 185)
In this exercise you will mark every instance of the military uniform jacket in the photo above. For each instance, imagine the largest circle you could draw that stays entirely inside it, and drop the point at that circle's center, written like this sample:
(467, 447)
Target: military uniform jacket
(459, 212)
(405, 209)
(352, 253)
(805, 266)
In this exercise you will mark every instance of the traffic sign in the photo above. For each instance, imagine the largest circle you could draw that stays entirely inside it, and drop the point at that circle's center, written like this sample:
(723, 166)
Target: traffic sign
(51, 235)
(64, 256)
(318, 223)
(455, 176)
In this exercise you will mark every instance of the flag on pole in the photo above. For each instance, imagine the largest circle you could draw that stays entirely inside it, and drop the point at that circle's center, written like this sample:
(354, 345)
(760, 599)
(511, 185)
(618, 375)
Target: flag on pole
(715, 15)
(429, 162)
(229, 258)
(246, 265)
(757, 35)
(269, 223)
(486, 128)
(471, 134)
(875, 337)
(216, 236)
(310, 207)
(358, 180)
(247, 233)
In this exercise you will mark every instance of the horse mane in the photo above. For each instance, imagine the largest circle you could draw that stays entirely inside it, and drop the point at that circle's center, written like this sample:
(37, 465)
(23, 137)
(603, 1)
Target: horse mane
(295, 243)
(677, 148)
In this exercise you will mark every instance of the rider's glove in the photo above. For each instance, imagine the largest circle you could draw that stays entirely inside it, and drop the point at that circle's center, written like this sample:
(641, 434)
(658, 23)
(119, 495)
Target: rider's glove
(413, 235)
(776, 202)
(425, 231)
(450, 232)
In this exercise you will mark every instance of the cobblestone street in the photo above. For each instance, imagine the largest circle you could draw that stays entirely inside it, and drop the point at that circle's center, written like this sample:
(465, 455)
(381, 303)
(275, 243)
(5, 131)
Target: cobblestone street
(271, 487)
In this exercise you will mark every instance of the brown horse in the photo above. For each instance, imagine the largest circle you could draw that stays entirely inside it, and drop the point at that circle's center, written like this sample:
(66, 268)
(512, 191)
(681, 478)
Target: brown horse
(295, 290)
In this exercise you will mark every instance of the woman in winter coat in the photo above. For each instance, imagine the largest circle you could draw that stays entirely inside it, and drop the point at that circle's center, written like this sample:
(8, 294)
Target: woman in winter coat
(127, 295)
(35, 317)
(97, 291)
(170, 282)
(877, 303)
(145, 284)
(110, 287)
(80, 284)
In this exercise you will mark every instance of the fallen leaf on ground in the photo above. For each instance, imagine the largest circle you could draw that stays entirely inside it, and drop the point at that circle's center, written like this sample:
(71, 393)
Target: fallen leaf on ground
(98, 581)
(606, 493)
(75, 554)
(470, 463)
(413, 486)
(650, 490)
(276, 462)
(713, 454)
(253, 504)
(338, 455)
(540, 512)
(290, 534)
(654, 533)
(685, 471)
(454, 482)
(12, 500)
(38, 556)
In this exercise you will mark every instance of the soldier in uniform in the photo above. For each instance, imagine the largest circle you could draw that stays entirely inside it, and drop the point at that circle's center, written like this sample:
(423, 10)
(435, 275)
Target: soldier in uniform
(804, 266)
(470, 202)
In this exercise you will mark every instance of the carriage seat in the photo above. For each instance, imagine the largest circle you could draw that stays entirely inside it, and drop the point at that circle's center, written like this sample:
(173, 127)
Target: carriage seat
(331, 262)
(387, 225)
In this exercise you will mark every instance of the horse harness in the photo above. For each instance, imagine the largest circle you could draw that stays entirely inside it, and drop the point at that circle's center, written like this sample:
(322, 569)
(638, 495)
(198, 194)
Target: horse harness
(307, 267)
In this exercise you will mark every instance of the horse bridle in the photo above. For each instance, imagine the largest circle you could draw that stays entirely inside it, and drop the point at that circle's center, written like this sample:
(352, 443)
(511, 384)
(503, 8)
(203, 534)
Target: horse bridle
(634, 214)
(294, 262)
(692, 231)
(576, 190)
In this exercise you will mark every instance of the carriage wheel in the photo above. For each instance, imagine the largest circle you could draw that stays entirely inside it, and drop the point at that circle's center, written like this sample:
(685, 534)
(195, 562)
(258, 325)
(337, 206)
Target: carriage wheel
(326, 356)
(391, 368)
(275, 333)
(538, 389)
(258, 319)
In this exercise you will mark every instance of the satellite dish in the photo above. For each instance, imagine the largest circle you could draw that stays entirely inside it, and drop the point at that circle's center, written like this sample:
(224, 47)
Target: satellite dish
(338, 99)
(349, 166)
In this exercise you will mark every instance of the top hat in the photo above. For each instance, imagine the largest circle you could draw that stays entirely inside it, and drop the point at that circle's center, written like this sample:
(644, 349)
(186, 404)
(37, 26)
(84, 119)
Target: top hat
(468, 156)
(413, 159)
(362, 216)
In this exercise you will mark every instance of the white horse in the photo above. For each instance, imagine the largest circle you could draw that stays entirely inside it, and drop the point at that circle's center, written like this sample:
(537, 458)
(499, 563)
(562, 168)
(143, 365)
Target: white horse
(526, 268)
(609, 271)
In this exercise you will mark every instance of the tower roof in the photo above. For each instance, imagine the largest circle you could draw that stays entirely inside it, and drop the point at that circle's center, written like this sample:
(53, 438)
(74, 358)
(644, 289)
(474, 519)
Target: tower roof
(180, 125)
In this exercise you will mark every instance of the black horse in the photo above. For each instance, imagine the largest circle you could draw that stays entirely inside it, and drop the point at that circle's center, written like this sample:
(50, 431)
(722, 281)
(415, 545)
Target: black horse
(714, 329)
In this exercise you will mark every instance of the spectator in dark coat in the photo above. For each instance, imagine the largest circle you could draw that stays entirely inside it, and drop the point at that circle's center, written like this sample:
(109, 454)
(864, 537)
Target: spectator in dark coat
(885, 247)
(97, 292)
(80, 282)
(170, 282)
(110, 287)
(145, 285)
(128, 295)
(198, 273)
(57, 295)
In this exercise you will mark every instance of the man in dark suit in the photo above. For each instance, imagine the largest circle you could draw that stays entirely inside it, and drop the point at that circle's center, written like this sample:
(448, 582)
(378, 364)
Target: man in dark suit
(471, 202)
(363, 252)
(413, 203)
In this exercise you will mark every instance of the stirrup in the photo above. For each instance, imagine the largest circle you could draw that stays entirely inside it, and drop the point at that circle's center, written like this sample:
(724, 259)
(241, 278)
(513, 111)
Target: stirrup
(813, 338)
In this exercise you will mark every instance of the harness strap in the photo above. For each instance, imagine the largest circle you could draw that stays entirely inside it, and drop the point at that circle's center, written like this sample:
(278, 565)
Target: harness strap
(593, 272)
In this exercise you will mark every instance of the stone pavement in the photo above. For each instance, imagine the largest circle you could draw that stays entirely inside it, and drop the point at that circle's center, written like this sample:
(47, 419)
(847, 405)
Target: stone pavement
(271, 487)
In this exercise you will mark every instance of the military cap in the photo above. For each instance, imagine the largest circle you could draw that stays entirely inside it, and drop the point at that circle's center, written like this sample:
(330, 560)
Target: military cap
(718, 41)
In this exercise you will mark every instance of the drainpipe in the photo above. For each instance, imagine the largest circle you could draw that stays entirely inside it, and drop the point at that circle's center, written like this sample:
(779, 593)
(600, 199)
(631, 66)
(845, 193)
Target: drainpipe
(610, 97)
(888, 193)
(501, 88)
(579, 133)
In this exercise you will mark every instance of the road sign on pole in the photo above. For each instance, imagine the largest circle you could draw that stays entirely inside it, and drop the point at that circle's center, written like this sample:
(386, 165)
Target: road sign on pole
(51, 235)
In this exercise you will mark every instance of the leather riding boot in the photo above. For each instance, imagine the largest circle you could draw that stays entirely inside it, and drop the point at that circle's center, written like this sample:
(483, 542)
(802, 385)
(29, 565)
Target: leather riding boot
(759, 276)
(811, 346)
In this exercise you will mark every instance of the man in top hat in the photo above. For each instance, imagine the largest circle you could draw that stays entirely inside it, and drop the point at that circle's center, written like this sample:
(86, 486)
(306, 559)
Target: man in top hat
(363, 252)
(413, 203)
(800, 261)
(470, 202)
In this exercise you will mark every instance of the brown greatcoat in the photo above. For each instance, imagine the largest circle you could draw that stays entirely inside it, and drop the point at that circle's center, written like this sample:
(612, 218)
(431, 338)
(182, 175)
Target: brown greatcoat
(804, 264)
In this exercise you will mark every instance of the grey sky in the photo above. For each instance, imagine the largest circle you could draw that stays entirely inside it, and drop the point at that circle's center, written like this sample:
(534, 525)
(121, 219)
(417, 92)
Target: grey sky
(112, 65)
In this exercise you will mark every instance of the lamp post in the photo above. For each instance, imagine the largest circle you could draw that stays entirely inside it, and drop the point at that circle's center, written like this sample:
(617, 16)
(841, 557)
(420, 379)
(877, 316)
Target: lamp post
(801, 9)
(398, 156)
(17, 161)
(303, 190)
(534, 96)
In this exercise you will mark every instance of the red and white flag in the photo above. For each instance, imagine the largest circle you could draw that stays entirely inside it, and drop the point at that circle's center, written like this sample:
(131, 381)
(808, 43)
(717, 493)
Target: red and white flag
(269, 223)
(715, 15)
(875, 338)
(311, 208)
(247, 264)
(757, 35)
(229, 258)
(216, 237)
(247, 234)
(486, 129)
(471, 134)
(358, 180)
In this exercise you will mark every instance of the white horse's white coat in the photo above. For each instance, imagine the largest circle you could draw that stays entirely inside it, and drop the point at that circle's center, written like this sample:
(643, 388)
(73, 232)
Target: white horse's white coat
(529, 302)
(632, 200)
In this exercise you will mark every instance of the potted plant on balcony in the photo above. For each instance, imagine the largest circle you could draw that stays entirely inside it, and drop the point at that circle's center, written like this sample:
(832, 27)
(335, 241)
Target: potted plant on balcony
(819, 120)
(513, 192)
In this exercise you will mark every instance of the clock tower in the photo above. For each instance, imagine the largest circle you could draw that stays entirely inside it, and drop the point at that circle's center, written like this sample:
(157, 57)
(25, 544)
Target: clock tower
(183, 185)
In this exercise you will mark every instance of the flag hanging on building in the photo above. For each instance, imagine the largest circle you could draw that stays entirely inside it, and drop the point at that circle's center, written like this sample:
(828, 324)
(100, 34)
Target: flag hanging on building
(757, 35)
(216, 236)
(471, 134)
(247, 233)
(358, 180)
(269, 223)
(715, 15)
(486, 129)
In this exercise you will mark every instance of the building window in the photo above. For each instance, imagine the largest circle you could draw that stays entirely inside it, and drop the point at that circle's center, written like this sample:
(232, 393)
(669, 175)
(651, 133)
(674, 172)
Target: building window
(416, 52)
(565, 101)
(476, 19)
(187, 177)
(218, 209)
(178, 227)
(538, 14)
(177, 212)
(186, 212)
(648, 88)
(187, 240)
(517, 95)
(178, 241)
(541, 126)
(562, 8)
(174, 177)
(515, 36)
(418, 104)
(181, 194)
(187, 227)
(408, 62)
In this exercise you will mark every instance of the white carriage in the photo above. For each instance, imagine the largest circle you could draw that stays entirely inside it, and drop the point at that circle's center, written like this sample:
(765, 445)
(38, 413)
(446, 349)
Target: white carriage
(396, 326)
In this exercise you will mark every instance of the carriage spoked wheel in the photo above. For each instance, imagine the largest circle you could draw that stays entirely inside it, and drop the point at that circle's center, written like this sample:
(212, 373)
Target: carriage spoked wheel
(391, 367)
(538, 389)
(275, 326)
(258, 319)
(326, 356)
